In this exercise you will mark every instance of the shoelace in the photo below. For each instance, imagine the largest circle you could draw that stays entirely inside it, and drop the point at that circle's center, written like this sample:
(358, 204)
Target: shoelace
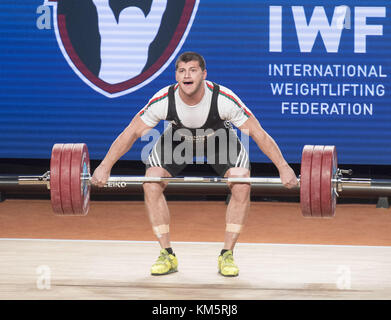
(162, 258)
(228, 259)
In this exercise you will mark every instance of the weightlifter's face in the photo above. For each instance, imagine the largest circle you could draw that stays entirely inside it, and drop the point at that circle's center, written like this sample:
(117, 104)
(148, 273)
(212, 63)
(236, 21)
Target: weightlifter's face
(190, 78)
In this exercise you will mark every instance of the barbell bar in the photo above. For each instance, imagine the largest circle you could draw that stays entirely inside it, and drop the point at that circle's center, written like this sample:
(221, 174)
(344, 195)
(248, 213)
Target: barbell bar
(379, 186)
(122, 181)
(320, 181)
(348, 187)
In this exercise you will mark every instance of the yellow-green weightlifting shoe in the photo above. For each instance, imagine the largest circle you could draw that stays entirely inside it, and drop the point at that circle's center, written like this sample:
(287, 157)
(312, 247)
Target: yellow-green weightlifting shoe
(227, 266)
(166, 263)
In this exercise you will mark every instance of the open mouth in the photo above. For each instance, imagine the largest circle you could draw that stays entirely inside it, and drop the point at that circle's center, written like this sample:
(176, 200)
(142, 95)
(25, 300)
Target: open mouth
(187, 83)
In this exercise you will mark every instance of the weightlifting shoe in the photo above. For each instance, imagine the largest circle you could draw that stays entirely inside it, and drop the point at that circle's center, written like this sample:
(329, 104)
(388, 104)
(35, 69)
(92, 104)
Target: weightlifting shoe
(227, 266)
(165, 263)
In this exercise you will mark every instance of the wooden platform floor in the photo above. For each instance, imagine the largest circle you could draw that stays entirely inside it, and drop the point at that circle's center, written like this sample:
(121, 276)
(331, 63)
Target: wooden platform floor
(108, 253)
(66, 269)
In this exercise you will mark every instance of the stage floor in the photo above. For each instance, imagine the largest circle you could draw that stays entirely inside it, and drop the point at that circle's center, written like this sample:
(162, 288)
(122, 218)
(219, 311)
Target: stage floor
(91, 269)
(108, 253)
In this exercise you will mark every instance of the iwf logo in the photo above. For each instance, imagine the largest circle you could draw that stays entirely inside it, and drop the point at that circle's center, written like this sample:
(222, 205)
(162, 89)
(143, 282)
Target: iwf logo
(119, 46)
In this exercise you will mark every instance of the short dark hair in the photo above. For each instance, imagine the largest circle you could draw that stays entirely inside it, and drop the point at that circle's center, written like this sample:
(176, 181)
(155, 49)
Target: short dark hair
(191, 56)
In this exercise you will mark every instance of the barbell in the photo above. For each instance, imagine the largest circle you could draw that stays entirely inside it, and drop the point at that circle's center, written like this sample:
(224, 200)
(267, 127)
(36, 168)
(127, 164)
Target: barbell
(320, 180)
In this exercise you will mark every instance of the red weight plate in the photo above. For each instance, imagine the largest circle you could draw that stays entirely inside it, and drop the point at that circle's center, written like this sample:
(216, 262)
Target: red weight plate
(305, 180)
(329, 168)
(80, 188)
(55, 183)
(316, 174)
(66, 198)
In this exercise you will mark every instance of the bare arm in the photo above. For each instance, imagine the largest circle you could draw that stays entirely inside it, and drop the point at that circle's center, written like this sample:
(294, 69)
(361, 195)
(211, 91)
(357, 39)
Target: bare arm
(270, 148)
(119, 147)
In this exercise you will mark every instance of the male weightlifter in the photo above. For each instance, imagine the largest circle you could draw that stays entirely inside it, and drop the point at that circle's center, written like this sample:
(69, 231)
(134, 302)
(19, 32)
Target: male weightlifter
(200, 112)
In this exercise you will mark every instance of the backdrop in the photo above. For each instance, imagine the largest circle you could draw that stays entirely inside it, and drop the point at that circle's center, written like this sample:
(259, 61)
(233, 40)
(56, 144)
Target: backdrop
(313, 72)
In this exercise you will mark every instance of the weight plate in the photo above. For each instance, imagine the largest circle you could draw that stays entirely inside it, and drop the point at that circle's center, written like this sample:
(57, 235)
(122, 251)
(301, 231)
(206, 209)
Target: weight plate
(66, 197)
(329, 168)
(316, 181)
(305, 180)
(55, 176)
(80, 188)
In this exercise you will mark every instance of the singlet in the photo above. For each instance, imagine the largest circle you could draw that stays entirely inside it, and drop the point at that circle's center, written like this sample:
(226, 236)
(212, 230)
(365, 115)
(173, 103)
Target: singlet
(230, 108)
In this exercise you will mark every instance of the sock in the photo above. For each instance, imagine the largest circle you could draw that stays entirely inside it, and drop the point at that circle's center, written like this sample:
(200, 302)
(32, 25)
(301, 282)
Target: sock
(169, 250)
(224, 251)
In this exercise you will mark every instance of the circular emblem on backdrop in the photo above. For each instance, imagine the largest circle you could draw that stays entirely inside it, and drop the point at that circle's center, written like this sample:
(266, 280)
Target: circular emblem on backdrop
(119, 46)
